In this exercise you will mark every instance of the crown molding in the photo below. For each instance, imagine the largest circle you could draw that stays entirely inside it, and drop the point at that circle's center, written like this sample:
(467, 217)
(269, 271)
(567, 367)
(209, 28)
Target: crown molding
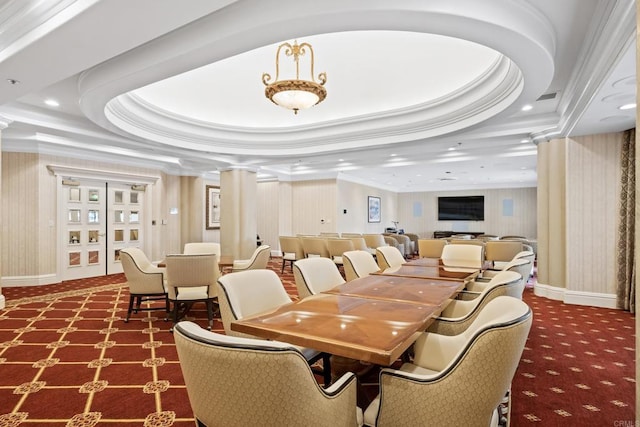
(608, 39)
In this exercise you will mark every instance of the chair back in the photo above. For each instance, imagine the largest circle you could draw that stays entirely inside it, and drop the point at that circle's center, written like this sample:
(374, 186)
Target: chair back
(350, 235)
(259, 260)
(248, 293)
(359, 244)
(235, 381)
(196, 248)
(374, 240)
(337, 247)
(471, 256)
(291, 247)
(191, 271)
(459, 314)
(315, 246)
(481, 369)
(431, 248)
(407, 243)
(315, 275)
(358, 264)
(388, 256)
(466, 242)
(142, 276)
(501, 250)
(327, 234)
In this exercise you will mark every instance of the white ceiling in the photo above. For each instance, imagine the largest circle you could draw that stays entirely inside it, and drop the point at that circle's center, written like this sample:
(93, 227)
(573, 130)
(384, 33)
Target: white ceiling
(421, 95)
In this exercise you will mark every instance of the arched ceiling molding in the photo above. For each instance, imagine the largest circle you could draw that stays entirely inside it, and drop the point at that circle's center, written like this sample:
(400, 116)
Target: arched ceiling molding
(470, 105)
(510, 27)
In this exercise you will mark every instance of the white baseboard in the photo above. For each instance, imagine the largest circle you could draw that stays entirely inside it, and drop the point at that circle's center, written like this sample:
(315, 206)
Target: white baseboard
(592, 299)
(45, 279)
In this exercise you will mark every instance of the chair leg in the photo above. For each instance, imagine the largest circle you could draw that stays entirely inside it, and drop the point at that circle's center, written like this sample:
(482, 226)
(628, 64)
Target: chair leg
(175, 315)
(138, 303)
(131, 297)
(284, 261)
(167, 307)
(326, 369)
(210, 313)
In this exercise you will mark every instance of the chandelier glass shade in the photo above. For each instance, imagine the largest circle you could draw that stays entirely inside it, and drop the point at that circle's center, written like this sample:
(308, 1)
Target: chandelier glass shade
(295, 94)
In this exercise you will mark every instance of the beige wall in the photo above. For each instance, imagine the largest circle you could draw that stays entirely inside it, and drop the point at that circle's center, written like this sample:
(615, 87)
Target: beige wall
(354, 198)
(593, 191)
(418, 212)
(578, 192)
(311, 203)
(29, 212)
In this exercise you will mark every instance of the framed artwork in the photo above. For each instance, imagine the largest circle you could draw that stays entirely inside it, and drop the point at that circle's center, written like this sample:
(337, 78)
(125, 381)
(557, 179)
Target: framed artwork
(213, 207)
(374, 209)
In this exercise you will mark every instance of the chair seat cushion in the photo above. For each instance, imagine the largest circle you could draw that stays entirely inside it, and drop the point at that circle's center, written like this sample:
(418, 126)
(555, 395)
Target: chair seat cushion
(337, 260)
(289, 256)
(192, 294)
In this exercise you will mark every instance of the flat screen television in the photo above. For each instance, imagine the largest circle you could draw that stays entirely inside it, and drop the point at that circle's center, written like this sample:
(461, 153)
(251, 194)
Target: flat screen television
(461, 208)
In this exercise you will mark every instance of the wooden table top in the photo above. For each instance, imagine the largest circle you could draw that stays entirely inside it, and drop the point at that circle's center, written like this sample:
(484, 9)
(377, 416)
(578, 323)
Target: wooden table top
(403, 289)
(442, 273)
(367, 329)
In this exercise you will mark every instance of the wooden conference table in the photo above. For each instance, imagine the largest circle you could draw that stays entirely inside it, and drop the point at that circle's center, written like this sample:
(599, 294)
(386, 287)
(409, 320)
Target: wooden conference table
(372, 319)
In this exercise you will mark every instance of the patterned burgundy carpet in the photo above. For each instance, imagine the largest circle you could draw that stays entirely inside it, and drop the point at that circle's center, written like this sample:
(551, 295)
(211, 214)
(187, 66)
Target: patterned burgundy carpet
(68, 359)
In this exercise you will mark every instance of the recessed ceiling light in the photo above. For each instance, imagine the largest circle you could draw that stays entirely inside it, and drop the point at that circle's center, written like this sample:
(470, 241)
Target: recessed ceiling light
(52, 102)
(341, 160)
(527, 107)
(627, 106)
(524, 141)
(419, 174)
(393, 155)
(451, 148)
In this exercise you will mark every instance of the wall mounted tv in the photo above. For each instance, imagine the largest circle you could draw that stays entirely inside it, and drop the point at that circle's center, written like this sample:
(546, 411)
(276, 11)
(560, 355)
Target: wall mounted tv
(461, 208)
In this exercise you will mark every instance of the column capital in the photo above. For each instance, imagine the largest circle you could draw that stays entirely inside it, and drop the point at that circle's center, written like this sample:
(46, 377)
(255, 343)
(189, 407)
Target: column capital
(239, 167)
(4, 122)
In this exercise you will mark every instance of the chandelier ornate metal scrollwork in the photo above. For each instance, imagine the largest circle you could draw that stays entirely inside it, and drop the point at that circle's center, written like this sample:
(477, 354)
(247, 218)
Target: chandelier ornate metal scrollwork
(295, 94)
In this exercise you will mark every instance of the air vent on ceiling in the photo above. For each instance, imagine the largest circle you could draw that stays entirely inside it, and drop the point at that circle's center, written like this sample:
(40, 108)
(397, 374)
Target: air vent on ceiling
(546, 96)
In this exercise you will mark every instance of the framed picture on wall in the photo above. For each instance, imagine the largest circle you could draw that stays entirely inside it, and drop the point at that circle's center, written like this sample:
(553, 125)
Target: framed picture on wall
(213, 207)
(374, 209)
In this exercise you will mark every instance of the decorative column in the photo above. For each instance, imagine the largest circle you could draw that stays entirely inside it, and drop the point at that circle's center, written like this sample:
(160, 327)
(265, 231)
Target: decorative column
(238, 213)
(551, 217)
(3, 125)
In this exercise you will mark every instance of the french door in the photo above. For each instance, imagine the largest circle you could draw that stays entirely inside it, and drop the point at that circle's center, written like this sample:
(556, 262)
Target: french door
(98, 219)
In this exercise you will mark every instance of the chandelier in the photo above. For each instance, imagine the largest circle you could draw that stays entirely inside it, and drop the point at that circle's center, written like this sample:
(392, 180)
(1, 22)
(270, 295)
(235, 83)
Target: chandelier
(295, 94)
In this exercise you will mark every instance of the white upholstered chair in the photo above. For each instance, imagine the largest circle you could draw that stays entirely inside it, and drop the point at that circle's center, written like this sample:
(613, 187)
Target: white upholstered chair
(431, 248)
(337, 247)
(314, 275)
(470, 256)
(258, 260)
(253, 292)
(358, 264)
(521, 266)
(374, 240)
(460, 313)
(190, 279)
(526, 254)
(389, 256)
(235, 381)
(456, 380)
(291, 248)
(315, 247)
(503, 251)
(145, 282)
(198, 248)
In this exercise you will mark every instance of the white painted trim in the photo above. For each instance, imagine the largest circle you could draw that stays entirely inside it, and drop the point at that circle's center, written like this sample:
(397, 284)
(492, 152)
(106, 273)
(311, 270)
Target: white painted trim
(43, 279)
(102, 175)
(2, 302)
(593, 299)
